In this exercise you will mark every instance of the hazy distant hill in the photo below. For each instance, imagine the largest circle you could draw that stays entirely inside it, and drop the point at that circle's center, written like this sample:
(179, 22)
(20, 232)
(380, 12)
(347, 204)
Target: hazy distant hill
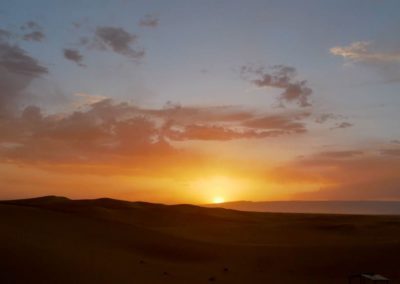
(326, 207)
(58, 240)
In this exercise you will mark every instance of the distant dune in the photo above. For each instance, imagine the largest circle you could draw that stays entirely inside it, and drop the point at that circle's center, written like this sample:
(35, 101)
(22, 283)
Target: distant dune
(325, 207)
(58, 240)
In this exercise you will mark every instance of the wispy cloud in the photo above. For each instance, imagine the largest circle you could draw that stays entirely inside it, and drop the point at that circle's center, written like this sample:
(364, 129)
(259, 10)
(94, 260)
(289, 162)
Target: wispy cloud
(84, 100)
(347, 174)
(386, 60)
(150, 21)
(395, 152)
(340, 154)
(285, 123)
(342, 125)
(363, 51)
(31, 25)
(33, 31)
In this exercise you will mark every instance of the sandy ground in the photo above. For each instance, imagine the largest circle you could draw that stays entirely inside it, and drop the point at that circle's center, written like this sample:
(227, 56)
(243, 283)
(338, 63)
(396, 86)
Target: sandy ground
(56, 240)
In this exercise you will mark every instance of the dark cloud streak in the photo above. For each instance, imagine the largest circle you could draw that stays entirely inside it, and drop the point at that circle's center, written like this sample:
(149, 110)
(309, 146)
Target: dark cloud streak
(281, 77)
(74, 56)
(17, 70)
(116, 39)
(34, 36)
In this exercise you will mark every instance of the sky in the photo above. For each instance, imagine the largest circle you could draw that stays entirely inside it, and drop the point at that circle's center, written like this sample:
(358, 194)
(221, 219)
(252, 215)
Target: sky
(200, 101)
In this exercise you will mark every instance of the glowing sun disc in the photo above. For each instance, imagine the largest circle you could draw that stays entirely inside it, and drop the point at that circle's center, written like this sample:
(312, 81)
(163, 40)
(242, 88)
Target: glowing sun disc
(218, 199)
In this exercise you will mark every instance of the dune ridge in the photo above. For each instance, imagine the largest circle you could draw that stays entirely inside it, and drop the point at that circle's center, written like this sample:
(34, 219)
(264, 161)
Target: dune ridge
(361, 207)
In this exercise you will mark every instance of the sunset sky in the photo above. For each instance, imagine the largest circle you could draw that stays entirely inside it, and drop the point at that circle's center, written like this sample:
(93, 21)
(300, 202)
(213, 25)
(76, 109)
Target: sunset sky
(200, 101)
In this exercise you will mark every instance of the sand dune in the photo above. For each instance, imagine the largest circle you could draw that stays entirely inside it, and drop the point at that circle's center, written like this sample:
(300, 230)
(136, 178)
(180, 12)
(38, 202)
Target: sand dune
(57, 240)
(325, 207)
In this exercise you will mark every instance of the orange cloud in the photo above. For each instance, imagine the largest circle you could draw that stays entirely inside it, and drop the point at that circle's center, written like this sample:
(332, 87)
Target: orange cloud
(106, 130)
(122, 140)
(352, 174)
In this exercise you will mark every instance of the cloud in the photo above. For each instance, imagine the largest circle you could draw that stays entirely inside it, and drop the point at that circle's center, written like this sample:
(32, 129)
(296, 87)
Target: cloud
(227, 123)
(31, 25)
(216, 133)
(83, 100)
(197, 114)
(281, 77)
(15, 60)
(79, 137)
(391, 152)
(34, 36)
(284, 123)
(324, 117)
(372, 189)
(341, 154)
(105, 131)
(17, 70)
(222, 122)
(150, 21)
(34, 31)
(342, 125)
(347, 175)
(4, 35)
(32, 113)
(384, 59)
(115, 39)
(81, 23)
(74, 56)
(362, 51)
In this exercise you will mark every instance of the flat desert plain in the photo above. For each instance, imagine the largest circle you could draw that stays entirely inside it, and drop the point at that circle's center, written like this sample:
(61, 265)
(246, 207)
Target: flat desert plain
(58, 240)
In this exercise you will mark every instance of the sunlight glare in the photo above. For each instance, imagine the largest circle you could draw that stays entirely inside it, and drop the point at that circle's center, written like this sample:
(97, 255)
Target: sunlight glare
(218, 199)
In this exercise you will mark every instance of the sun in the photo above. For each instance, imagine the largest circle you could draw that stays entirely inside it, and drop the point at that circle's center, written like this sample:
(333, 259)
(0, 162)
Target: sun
(217, 189)
(218, 199)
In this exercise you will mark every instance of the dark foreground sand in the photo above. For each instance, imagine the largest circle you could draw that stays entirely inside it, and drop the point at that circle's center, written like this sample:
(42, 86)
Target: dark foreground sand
(56, 240)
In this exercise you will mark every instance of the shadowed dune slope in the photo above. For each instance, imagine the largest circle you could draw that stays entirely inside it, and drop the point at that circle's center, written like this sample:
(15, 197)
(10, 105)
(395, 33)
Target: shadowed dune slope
(326, 207)
(58, 240)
